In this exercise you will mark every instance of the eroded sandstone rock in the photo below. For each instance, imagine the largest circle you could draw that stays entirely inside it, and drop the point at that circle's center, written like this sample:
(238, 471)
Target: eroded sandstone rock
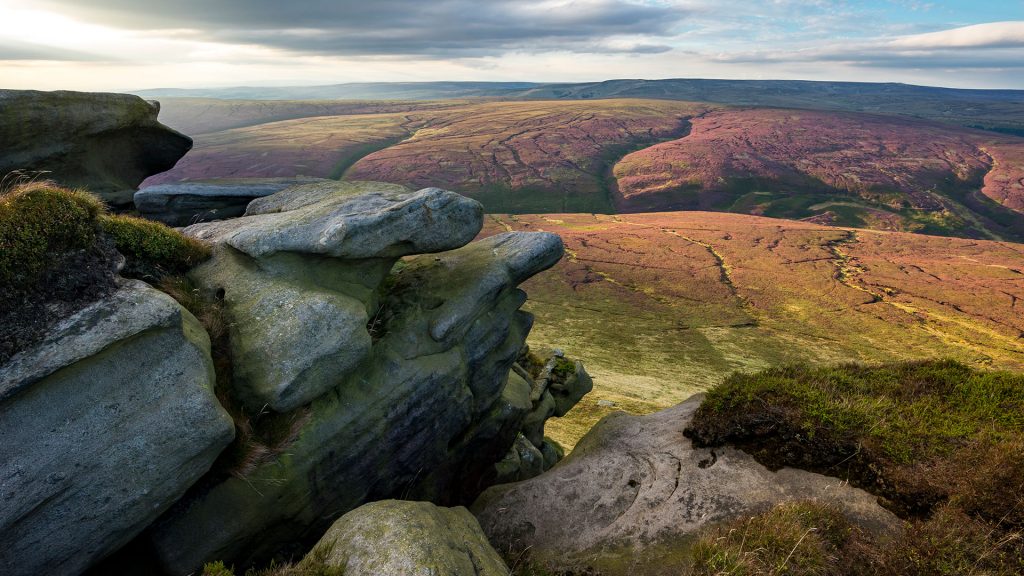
(424, 405)
(299, 283)
(107, 143)
(186, 203)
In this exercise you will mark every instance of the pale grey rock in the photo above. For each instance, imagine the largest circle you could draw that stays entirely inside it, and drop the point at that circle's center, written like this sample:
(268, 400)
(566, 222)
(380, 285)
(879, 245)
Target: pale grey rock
(107, 143)
(411, 539)
(634, 487)
(355, 224)
(102, 427)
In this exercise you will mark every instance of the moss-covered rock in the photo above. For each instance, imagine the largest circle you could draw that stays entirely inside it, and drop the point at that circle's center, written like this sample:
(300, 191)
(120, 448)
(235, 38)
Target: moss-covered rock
(412, 539)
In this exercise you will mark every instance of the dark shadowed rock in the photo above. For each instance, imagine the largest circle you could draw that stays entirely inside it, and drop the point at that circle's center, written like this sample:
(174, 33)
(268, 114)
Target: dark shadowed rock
(186, 203)
(411, 539)
(103, 426)
(634, 492)
(108, 143)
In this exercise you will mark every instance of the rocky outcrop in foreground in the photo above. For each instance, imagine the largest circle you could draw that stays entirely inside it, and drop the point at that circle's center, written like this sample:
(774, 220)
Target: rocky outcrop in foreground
(409, 538)
(107, 143)
(363, 348)
(103, 426)
(396, 375)
(634, 493)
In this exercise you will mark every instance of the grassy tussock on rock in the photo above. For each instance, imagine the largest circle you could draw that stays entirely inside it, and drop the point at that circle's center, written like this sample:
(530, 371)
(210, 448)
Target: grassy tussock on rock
(38, 221)
(314, 564)
(60, 249)
(940, 443)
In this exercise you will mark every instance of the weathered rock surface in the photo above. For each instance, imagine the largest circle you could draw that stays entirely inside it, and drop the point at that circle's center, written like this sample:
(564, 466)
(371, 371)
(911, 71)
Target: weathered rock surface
(634, 492)
(402, 379)
(411, 539)
(108, 143)
(185, 203)
(103, 426)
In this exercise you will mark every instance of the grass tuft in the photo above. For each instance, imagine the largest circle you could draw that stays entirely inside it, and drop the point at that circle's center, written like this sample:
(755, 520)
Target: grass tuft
(796, 538)
(314, 564)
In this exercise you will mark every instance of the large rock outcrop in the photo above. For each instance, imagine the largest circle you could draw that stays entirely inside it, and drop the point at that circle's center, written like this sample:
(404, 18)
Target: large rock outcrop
(103, 426)
(411, 539)
(398, 372)
(634, 493)
(186, 203)
(108, 143)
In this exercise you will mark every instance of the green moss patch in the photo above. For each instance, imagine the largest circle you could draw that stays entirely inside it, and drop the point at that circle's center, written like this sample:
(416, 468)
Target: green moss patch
(152, 250)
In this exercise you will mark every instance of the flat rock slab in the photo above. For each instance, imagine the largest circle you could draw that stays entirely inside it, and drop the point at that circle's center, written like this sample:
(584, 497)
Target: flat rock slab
(634, 486)
(186, 203)
(353, 223)
(412, 539)
(102, 427)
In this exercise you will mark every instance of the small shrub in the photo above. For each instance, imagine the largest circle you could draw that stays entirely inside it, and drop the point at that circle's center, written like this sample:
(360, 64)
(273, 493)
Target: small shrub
(151, 249)
(564, 368)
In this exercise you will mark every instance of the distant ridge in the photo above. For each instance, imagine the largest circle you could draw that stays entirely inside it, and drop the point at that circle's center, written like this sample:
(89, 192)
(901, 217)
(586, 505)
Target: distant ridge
(998, 110)
(725, 91)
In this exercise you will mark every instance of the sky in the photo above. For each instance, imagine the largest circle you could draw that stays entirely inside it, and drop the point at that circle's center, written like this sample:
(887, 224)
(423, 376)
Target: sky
(123, 45)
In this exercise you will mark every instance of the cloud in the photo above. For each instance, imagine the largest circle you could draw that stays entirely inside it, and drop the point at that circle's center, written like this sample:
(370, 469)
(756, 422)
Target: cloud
(11, 51)
(991, 35)
(397, 27)
(982, 46)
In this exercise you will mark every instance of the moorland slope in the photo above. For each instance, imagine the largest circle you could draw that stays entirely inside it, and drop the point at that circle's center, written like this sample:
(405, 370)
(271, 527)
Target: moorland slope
(849, 169)
(662, 305)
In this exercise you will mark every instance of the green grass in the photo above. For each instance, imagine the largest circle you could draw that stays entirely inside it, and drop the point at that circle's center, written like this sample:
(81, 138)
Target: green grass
(38, 221)
(797, 538)
(314, 564)
(940, 443)
(904, 413)
(151, 249)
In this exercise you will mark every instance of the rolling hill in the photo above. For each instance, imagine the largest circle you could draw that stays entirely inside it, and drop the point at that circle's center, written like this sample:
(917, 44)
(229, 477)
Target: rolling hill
(661, 305)
(849, 169)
